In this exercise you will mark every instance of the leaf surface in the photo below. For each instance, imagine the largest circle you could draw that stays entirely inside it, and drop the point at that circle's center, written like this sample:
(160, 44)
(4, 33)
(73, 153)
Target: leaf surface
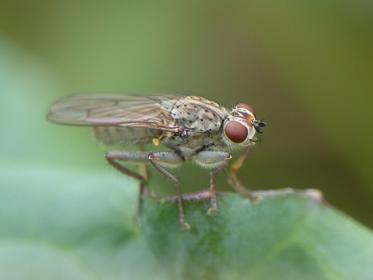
(66, 224)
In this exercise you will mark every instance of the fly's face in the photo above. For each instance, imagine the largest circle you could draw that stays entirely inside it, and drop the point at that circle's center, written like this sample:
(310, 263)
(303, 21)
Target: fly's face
(241, 125)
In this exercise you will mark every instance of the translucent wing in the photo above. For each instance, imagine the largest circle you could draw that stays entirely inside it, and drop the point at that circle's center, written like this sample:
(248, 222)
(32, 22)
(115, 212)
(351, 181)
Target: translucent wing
(115, 110)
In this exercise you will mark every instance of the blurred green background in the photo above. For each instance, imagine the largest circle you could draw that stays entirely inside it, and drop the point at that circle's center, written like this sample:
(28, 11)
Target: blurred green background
(305, 66)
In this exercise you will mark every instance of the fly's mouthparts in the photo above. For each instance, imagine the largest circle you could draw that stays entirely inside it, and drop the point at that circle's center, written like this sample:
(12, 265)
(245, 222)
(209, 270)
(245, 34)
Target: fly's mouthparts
(259, 125)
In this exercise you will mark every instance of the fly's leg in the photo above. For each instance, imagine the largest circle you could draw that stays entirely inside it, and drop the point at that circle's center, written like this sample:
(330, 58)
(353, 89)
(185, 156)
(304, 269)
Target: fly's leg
(134, 157)
(144, 188)
(233, 178)
(214, 208)
(215, 161)
(162, 160)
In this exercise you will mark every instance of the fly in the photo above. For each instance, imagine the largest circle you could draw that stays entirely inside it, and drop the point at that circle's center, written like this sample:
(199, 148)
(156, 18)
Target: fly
(191, 128)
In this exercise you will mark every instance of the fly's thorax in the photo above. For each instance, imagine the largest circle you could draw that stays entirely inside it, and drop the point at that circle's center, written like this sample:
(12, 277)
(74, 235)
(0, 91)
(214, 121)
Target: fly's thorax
(198, 114)
(202, 122)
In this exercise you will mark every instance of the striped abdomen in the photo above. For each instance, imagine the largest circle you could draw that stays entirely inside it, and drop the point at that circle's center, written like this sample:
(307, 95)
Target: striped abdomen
(116, 135)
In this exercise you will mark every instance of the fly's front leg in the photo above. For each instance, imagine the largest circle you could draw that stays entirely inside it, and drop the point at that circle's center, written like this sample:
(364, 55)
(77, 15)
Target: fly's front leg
(215, 161)
(133, 157)
(162, 160)
(233, 178)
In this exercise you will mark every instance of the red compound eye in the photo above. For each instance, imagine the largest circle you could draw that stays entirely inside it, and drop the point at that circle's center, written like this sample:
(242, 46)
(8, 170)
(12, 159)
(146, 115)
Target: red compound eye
(236, 131)
(247, 107)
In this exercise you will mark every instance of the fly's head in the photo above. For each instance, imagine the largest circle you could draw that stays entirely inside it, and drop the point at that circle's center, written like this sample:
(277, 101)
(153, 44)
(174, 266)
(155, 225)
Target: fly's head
(241, 125)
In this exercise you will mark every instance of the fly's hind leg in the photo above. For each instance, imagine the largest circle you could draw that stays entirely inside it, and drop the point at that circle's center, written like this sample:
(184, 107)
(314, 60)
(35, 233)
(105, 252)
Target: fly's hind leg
(233, 178)
(113, 158)
(215, 161)
(162, 160)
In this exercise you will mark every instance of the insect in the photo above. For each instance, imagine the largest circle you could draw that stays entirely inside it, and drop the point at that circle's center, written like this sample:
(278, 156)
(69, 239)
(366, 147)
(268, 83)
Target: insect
(191, 128)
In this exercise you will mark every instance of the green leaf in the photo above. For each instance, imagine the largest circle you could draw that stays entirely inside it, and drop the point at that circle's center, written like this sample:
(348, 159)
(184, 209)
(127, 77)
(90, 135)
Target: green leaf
(284, 237)
(62, 224)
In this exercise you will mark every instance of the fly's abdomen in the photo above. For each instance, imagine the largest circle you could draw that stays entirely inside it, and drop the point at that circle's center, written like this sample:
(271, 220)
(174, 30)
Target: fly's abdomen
(115, 135)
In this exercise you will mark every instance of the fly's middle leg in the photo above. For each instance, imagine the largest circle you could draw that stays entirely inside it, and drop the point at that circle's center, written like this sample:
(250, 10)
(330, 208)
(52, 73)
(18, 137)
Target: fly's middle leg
(215, 161)
(213, 210)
